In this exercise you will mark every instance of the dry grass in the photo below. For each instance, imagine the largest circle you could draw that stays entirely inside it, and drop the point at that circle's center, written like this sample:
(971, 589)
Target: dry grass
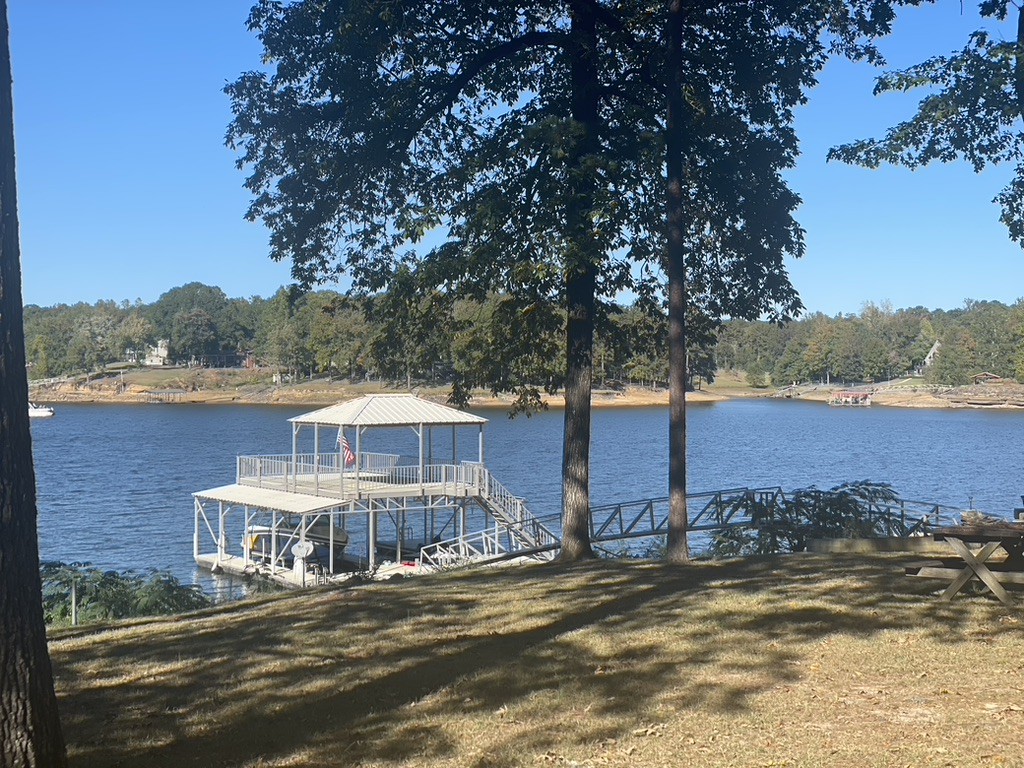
(797, 661)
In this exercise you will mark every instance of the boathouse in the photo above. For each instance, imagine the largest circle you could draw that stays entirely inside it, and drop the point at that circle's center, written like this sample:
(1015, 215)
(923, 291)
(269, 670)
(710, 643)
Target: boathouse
(333, 506)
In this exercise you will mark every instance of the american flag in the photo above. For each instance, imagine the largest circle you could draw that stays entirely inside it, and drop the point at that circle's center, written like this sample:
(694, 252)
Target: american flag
(346, 449)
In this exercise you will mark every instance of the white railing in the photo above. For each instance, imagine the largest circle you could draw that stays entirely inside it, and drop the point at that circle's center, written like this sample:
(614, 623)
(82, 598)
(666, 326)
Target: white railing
(377, 463)
(528, 530)
(260, 468)
(281, 466)
(462, 550)
(499, 542)
(323, 471)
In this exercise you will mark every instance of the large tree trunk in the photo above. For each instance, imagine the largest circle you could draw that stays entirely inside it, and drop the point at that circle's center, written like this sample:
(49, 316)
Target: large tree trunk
(675, 257)
(30, 732)
(580, 288)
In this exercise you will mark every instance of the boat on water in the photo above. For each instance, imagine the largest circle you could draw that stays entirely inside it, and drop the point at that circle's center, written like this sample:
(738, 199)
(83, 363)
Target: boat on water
(318, 533)
(39, 411)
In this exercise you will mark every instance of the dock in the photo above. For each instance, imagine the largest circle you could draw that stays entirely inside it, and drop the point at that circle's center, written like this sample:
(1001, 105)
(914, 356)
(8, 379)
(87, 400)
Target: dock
(292, 517)
(855, 397)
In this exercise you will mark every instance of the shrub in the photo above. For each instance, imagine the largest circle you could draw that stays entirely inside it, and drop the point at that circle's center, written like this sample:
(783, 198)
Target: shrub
(850, 510)
(105, 595)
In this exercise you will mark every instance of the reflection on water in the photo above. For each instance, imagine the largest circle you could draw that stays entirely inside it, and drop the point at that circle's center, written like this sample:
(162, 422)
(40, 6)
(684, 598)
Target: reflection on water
(115, 481)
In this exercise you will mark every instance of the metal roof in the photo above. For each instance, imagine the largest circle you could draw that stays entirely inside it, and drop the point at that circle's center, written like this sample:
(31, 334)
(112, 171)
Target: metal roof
(388, 411)
(267, 498)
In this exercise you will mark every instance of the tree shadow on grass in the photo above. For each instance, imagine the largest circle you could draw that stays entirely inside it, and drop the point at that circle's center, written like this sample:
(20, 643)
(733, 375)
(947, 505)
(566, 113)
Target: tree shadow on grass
(416, 671)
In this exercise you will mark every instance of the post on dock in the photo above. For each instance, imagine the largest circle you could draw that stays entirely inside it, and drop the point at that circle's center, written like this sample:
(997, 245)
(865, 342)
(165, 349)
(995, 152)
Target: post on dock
(221, 538)
(197, 506)
(330, 541)
(371, 535)
(359, 455)
(273, 541)
(295, 456)
(316, 458)
(246, 537)
(419, 434)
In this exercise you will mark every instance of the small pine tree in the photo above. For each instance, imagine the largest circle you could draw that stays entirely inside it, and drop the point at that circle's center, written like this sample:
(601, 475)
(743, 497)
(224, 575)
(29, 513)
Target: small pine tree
(757, 376)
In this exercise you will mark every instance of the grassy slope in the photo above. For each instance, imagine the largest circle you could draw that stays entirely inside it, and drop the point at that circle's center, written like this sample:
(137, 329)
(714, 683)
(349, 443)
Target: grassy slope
(802, 661)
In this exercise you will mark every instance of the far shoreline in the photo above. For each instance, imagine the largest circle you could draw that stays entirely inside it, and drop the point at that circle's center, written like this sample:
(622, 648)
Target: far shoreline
(239, 387)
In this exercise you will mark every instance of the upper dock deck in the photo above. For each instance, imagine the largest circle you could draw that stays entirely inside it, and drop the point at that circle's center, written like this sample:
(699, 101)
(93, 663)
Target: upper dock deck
(378, 476)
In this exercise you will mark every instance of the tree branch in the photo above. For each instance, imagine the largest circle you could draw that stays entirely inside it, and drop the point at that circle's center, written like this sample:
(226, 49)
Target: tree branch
(465, 75)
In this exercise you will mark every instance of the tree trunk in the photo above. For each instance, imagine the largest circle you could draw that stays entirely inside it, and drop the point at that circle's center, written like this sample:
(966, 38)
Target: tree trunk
(580, 287)
(675, 256)
(30, 732)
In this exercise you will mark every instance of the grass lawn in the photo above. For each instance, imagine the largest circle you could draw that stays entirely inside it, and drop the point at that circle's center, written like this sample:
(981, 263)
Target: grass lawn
(806, 660)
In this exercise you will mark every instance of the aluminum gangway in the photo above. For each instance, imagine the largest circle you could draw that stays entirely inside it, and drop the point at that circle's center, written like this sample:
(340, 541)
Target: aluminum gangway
(714, 511)
(708, 512)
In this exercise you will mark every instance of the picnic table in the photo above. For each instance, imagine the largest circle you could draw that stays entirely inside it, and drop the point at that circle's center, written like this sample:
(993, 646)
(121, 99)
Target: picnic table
(970, 563)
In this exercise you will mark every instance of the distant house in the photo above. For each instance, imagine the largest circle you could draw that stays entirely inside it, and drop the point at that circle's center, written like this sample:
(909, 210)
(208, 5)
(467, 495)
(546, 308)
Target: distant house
(158, 355)
(928, 359)
(986, 378)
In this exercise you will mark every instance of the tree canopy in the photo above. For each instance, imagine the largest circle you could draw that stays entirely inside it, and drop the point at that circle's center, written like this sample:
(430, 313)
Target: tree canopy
(972, 111)
(535, 140)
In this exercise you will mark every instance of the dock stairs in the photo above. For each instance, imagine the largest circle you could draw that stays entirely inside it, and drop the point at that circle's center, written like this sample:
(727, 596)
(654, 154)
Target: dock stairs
(516, 532)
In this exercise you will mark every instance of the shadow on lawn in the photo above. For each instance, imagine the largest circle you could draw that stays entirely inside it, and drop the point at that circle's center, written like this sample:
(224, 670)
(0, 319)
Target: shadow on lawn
(378, 674)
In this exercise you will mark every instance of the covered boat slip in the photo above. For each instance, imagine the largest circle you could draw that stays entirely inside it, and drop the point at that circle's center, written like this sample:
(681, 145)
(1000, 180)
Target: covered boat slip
(291, 516)
(298, 539)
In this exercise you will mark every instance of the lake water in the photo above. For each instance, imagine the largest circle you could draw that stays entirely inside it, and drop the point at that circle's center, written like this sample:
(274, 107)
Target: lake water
(115, 481)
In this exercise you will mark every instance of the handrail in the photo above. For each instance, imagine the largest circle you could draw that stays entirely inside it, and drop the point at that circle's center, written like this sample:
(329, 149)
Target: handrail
(736, 507)
(500, 541)
(512, 510)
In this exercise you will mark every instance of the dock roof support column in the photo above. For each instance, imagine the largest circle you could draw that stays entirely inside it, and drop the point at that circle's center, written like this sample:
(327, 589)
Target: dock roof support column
(295, 456)
(359, 456)
(371, 527)
(247, 538)
(316, 458)
(481, 459)
(330, 541)
(399, 525)
(273, 541)
(221, 540)
(419, 432)
(195, 536)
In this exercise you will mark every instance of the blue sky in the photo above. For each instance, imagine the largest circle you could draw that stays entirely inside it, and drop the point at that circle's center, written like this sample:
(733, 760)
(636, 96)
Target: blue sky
(126, 188)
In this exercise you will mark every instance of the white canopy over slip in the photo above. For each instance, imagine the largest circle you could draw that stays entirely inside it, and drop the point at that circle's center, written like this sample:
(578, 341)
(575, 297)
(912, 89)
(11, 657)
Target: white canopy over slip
(269, 499)
(389, 411)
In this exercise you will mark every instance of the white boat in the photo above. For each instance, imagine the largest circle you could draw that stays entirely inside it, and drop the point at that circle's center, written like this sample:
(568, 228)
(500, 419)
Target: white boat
(39, 411)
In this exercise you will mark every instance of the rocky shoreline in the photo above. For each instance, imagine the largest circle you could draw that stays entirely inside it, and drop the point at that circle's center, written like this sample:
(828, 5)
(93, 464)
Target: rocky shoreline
(247, 388)
(318, 394)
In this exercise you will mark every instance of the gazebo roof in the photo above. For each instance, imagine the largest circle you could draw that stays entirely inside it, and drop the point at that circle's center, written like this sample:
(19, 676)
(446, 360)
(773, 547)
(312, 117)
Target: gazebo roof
(388, 411)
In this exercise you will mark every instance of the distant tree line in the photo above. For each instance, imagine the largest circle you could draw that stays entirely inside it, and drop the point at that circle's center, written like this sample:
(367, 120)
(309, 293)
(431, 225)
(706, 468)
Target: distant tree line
(400, 336)
(405, 337)
(880, 343)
